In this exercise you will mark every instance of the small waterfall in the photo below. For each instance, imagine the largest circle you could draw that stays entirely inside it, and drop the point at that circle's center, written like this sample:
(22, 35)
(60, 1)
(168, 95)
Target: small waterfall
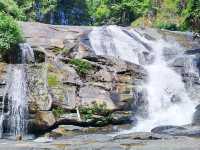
(27, 53)
(168, 101)
(14, 120)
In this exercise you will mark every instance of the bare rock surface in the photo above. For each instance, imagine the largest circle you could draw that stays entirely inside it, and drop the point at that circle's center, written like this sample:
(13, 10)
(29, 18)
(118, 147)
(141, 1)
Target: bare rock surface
(139, 141)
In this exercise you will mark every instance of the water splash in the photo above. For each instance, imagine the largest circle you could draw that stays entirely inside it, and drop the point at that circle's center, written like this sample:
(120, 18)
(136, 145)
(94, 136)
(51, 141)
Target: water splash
(168, 101)
(167, 96)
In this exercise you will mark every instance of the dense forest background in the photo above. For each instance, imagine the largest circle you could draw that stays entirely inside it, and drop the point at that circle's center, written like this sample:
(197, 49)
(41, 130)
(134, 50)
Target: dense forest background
(167, 14)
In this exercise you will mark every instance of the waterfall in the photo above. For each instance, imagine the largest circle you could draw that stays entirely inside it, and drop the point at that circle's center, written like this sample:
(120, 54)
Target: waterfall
(168, 100)
(13, 122)
(27, 53)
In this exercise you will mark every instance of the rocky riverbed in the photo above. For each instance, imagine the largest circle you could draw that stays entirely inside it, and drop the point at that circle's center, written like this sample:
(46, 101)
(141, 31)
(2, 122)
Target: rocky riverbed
(135, 141)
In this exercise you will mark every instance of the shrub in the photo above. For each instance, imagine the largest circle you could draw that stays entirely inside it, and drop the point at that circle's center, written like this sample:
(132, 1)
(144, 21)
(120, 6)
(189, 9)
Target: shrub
(58, 111)
(10, 34)
(82, 66)
(168, 26)
(87, 112)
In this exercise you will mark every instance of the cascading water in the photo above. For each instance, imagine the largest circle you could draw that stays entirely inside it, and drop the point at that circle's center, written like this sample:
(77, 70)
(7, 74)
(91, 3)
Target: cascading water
(112, 41)
(168, 101)
(16, 124)
(13, 121)
(27, 53)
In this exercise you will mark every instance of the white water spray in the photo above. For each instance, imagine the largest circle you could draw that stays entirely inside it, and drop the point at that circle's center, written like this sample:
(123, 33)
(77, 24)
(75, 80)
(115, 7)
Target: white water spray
(169, 103)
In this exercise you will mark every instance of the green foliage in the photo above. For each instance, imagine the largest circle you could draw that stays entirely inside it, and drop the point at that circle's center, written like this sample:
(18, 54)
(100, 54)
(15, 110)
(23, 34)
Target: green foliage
(102, 14)
(82, 66)
(58, 111)
(171, 14)
(167, 26)
(88, 112)
(192, 15)
(74, 12)
(120, 12)
(167, 14)
(10, 7)
(10, 34)
(53, 80)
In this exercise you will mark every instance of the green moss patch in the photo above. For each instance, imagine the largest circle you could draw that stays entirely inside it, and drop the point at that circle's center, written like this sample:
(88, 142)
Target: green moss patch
(82, 66)
(53, 80)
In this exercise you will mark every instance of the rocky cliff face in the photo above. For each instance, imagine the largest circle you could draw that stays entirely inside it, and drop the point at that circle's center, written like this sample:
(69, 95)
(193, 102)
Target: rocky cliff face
(64, 93)
(70, 85)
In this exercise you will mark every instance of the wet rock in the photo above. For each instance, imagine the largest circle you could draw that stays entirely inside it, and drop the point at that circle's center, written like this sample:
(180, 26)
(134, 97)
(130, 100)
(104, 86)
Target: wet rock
(196, 116)
(123, 96)
(175, 99)
(193, 51)
(179, 62)
(65, 130)
(142, 136)
(43, 120)
(140, 103)
(18, 138)
(121, 117)
(166, 129)
(70, 127)
(32, 107)
(189, 130)
(68, 119)
(169, 53)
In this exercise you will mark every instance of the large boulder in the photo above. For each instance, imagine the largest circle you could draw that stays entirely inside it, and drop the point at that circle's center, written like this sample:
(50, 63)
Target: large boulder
(37, 85)
(41, 122)
(89, 94)
(188, 130)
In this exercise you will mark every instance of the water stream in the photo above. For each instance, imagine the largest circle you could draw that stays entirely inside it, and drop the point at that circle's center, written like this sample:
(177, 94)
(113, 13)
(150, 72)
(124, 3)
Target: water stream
(168, 100)
(14, 119)
(16, 123)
